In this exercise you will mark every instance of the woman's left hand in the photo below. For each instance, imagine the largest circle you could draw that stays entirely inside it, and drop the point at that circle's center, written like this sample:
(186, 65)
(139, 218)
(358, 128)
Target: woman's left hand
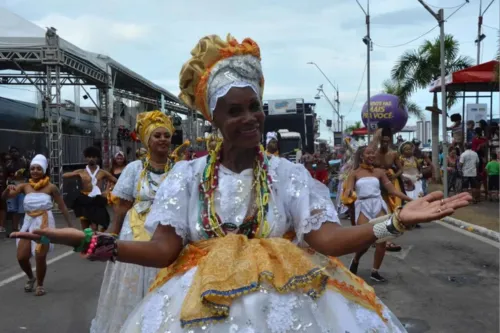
(432, 207)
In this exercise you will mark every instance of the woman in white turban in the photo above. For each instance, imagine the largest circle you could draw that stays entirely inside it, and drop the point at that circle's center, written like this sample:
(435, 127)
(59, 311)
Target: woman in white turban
(272, 144)
(40, 193)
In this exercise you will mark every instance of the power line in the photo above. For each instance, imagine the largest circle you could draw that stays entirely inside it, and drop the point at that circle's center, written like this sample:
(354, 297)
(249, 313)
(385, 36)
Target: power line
(489, 26)
(357, 92)
(438, 7)
(406, 43)
(425, 33)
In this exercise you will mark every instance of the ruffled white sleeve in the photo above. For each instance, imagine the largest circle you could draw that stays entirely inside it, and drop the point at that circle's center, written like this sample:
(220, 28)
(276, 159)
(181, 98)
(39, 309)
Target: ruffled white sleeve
(308, 201)
(170, 206)
(125, 188)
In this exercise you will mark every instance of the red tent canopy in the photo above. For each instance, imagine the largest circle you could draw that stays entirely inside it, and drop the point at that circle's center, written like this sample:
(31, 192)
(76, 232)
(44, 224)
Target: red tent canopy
(360, 131)
(475, 78)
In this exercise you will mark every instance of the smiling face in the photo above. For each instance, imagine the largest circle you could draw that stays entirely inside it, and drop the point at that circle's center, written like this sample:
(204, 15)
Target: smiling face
(368, 156)
(159, 142)
(36, 172)
(240, 118)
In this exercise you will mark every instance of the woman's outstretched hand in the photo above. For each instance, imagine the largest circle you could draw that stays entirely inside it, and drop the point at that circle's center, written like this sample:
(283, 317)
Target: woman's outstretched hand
(64, 236)
(432, 207)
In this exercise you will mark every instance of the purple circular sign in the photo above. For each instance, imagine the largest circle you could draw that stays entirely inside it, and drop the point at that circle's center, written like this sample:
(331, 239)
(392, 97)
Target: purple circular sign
(385, 107)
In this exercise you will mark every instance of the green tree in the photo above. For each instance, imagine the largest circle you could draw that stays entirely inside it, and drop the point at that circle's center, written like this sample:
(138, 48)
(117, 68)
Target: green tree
(417, 69)
(394, 88)
(353, 127)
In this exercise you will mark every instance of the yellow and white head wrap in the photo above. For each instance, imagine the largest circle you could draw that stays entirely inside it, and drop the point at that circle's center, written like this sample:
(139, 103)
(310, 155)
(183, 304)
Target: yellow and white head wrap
(215, 67)
(147, 122)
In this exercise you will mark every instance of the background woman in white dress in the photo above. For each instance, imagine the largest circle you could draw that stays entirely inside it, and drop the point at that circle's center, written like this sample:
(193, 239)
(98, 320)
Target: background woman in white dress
(124, 285)
(220, 224)
(38, 207)
(369, 204)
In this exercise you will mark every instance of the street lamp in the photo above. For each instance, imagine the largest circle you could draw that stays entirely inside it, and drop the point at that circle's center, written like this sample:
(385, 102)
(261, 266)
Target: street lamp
(336, 88)
(335, 110)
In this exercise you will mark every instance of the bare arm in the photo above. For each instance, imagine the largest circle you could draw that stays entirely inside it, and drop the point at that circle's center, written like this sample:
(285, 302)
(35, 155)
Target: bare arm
(351, 181)
(376, 139)
(71, 174)
(62, 206)
(345, 239)
(399, 166)
(11, 191)
(120, 210)
(389, 187)
(161, 251)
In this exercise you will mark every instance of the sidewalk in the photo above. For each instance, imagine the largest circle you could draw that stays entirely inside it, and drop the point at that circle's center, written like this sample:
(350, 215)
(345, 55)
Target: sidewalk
(484, 214)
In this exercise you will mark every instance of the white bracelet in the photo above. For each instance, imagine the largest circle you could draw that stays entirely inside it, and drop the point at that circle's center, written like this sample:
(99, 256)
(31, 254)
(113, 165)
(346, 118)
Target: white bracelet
(382, 230)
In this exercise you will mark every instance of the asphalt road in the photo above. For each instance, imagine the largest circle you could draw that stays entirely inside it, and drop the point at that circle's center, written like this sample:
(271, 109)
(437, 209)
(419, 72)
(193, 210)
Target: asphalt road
(444, 281)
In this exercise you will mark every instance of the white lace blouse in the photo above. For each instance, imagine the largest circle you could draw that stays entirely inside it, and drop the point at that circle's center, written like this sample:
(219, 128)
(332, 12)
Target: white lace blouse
(297, 202)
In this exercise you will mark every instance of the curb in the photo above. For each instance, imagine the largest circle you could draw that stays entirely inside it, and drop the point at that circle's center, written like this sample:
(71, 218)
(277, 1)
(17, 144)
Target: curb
(490, 234)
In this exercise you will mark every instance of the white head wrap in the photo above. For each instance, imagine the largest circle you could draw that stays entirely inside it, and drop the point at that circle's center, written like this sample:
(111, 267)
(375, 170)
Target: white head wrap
(271, 136)
(234, 72)
(41, 161)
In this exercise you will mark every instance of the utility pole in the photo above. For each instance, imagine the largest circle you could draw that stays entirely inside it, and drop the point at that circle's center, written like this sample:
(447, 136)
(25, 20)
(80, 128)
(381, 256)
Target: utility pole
(369, 45)
(439, 16)
(480, 35)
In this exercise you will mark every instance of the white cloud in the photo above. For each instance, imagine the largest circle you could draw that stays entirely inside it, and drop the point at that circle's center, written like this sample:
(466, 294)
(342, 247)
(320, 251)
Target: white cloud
(154, 38)
(94, 33)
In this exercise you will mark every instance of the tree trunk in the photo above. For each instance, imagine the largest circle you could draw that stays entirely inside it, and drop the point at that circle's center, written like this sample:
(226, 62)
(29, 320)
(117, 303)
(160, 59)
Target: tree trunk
(435, 139)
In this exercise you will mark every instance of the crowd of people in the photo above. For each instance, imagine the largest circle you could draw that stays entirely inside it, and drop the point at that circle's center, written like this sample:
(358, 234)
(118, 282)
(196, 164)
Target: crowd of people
(239, 239)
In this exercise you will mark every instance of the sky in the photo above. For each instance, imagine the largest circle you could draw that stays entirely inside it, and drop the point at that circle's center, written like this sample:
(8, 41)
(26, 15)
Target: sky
(154, 39)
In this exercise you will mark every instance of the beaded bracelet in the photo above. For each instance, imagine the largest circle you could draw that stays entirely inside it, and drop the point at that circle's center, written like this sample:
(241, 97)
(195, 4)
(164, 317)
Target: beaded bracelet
(397, 221)
(85, 241)
(102, 247)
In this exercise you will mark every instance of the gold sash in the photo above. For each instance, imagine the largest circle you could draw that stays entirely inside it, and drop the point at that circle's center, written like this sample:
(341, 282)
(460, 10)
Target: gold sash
(232, 266)
(392, 201)
(137, 221)
(45, 223)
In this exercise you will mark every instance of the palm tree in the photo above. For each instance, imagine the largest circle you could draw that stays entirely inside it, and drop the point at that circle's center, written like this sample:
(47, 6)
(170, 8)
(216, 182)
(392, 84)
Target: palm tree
(351, 128)
(394, 88)
(416, 69)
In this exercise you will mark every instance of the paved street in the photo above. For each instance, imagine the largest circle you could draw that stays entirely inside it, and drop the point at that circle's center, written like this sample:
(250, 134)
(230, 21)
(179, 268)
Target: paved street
(444, 281)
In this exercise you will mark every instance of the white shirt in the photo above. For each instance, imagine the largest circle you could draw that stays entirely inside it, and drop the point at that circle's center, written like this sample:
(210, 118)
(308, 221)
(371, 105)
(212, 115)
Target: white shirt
(469, 161)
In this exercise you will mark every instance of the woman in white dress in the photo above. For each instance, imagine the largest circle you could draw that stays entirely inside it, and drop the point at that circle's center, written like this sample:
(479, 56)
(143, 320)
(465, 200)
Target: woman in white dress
(363, 186)
(124, 285)
(221, 226)
(38, 207)
(412, 175)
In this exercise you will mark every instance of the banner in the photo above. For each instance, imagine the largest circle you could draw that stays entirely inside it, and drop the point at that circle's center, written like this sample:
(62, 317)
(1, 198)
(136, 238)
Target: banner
(282, 106)
(477, 112)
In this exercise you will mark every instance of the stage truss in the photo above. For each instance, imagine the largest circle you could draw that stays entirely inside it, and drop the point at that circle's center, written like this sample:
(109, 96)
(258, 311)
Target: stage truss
(49, 67)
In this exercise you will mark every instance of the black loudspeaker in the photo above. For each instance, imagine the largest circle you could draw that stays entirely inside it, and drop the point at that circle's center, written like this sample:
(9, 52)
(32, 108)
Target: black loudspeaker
(177, 138)
(328, 123)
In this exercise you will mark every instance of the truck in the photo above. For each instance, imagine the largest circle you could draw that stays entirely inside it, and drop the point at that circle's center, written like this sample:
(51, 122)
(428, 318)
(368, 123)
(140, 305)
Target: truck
(296, 123)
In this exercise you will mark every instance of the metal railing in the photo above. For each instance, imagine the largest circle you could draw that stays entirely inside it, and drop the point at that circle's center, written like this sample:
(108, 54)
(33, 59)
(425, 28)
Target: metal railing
(30, 143)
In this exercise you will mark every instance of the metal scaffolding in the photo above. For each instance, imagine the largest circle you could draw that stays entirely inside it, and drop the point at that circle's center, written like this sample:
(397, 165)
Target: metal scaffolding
(51, 62)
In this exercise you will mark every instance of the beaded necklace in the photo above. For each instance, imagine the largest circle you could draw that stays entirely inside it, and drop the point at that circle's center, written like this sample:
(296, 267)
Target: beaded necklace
(146, 174)
(256, 221)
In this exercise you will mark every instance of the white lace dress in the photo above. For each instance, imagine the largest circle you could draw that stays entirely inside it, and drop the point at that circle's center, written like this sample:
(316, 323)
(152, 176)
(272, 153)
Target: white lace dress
(125, 285)
(294, 195)
(369, 198)
(35, 202)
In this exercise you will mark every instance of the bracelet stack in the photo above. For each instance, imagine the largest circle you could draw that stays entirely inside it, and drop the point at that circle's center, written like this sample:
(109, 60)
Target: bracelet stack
(97, 246)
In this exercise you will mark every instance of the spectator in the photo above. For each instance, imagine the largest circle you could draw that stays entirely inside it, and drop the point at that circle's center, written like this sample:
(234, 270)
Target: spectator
(457, 131)
(493, 138)
(493, 172)
(451, 166)
(470, 131)
(480, 146)
(469, 162)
